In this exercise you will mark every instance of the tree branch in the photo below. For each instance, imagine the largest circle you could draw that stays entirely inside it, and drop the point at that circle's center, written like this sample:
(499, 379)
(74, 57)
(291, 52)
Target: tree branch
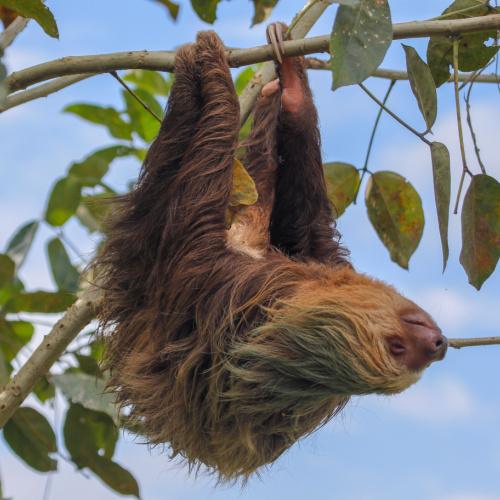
(47, 353)
(393, 74)
(10, 34)
(164, 61)
(300, 26)
(459, 343)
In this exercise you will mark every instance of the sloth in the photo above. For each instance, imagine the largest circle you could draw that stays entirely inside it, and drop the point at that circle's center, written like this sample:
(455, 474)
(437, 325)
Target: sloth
(229, 344)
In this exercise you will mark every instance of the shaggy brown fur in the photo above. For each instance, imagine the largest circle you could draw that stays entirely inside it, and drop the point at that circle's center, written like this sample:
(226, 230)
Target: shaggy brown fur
(231, 347)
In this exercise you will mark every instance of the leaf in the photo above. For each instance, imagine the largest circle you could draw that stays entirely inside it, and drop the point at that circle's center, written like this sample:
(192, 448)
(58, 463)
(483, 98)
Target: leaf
(143, 122)
(19, 245)
(150, 81)
(92, 169)
(473, 54)
(360, 38)
(481, 229)
(172, 7)
(34, 9)
(395, 211)
(342, 181)
(206, 9)
(14, 335)
(115, 476)
(109, 117)
(243, 78)
(30, 436)
(262, 10)
(63, 201)
(244, 191)
(88, 433)
(65, 275)
(40, 302)
(44, 390)
(88, 391)
(7, 270)
(93, 210)
(8, 16)
(423, 86)
(442, 186)
(88, 365)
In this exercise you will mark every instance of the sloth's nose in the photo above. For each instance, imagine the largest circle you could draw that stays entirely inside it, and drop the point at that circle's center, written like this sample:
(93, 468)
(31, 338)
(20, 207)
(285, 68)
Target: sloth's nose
(421, 341)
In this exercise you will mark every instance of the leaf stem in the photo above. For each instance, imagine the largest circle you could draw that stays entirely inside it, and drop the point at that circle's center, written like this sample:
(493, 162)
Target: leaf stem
(465, 168)
(114, 74)
(471, 128)
(395, 116)
(364, 170)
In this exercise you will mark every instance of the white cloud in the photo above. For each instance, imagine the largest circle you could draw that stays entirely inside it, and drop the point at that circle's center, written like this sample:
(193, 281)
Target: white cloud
(464, 314)
(442, 401)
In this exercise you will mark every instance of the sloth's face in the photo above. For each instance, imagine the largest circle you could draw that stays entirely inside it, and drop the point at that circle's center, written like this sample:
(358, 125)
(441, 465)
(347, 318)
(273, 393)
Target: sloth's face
(376, 339)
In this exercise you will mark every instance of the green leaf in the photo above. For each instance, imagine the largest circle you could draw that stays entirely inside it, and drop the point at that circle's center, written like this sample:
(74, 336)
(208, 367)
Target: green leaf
(150, 81)
(88, 433)
(63, 201)
(19, 245)
(88, 391)
(34, 9)
(360, 38)
(30, 436)
(262, 10)
(206, 9)
(172, 7)
(40, 302)
(243, 79)
(473, 54)
(342, 181)
(88, 365)
(65, 275)
(14, 335)
(395, 211)
(7, 270)
(115, 476)
(44, 390)
(92, 169)
(481, 229)
(93, 210)
(109, 117)
(423, 86)
(442, 186)
(143, 122)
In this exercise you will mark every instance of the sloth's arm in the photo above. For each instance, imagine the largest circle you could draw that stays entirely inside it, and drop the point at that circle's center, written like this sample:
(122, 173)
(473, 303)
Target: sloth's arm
(302, 224)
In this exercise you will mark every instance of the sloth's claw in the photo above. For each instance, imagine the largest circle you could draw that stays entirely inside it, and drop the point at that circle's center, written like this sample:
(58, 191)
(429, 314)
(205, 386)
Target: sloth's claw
(274, 34)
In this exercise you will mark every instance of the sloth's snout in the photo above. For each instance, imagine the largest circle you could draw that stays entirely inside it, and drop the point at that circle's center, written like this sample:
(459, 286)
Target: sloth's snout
(420, 342)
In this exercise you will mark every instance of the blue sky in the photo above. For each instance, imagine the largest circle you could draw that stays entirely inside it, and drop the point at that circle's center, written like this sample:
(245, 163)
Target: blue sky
(440, 440)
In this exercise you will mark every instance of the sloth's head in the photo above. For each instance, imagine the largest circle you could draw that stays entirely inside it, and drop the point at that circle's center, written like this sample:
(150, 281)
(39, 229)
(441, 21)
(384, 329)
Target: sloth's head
(344, 334)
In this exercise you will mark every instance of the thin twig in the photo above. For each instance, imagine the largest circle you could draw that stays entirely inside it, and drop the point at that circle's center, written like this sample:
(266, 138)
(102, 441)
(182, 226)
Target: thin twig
(10, 34)
(114, 74)
(459, 343)
(394, 74)
(364, 170)
(465, 168)
(471, 128)
(394, 115)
